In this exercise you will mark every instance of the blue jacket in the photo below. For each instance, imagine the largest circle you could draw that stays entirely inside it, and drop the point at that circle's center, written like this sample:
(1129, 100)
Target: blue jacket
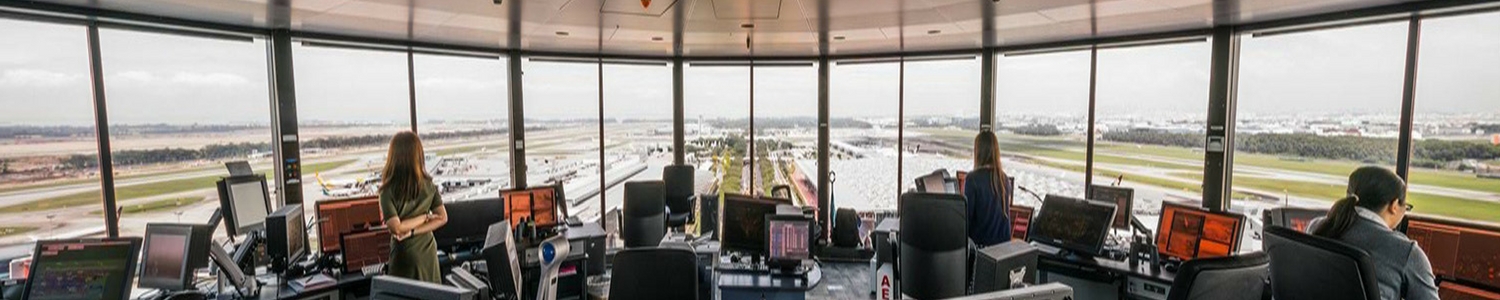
(989, 218)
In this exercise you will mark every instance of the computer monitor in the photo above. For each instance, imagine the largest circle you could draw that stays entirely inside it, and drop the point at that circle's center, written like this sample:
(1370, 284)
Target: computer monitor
(1458, 250)
(937, 182)
(286, 236)
(82, 269)
(172, 254)
(1074, 224)
(1297, 218)
(342, 216)
(1187, 232)
(468, 220)
(538, 204)
(1122, 197)
(1020, 221)
(788, 240)
(245, 203)
(743, 226)
(365, 248)
(1454, 290)
(386, 287)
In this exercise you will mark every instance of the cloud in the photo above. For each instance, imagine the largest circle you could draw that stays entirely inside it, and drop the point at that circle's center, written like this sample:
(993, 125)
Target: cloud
(180, 79)
(457, 84)
(38, 78)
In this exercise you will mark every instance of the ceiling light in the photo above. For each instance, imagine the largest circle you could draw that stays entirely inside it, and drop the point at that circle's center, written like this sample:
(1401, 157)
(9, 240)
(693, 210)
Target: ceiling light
(838, 38)
(562, 33)
(656, 38)
(934, 31)
(747, 26)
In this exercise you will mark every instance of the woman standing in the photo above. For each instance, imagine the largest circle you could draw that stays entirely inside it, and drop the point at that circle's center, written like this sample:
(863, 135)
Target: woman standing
(412, 209)
(988, 194)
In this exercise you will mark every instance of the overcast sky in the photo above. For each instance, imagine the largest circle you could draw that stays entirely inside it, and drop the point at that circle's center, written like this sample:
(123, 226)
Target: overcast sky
(157, 78)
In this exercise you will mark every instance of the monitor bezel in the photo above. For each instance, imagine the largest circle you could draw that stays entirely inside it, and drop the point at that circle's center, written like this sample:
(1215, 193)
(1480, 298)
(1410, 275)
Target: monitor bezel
(1238, 234)
(1095, 248)
(184, 274)
(775, 261)
(131, 261)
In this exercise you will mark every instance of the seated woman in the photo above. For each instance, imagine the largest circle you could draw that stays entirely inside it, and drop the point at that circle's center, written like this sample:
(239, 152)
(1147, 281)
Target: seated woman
(987, 194)
(1366, 219)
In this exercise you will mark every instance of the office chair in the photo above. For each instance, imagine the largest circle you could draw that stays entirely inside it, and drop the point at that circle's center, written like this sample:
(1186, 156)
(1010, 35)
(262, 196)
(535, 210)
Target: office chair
(1307, 267)
(654, 273)
(679, 194)
(933, 255)
(645, 221)
(1240, 277)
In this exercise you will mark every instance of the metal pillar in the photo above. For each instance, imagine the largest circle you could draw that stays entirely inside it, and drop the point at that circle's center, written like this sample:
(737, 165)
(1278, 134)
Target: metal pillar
(1409, 96)
(1218, 154)
(284, 107)
(101, 133)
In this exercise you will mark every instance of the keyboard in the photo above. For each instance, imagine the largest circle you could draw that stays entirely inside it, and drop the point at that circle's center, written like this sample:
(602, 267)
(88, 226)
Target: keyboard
(372, 269)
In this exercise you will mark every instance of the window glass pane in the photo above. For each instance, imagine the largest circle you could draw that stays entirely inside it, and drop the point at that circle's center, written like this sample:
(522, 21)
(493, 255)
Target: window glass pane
(562, 134)
(786, 131)
(1313, 107)
(349, 104)
(1041, 116)
(463, 115)
(717, 111)
(637, 126)
(862, 117)
(1455, 166)
(49, 164)
(179, 108)
(942, 117)
(1150, 113)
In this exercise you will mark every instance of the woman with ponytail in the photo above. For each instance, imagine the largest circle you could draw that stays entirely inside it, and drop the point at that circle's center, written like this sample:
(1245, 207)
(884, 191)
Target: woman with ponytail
(1365, 219)
(988, 194)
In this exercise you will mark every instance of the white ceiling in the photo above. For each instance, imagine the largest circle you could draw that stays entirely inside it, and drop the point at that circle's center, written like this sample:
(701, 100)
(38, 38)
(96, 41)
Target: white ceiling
(719, 27)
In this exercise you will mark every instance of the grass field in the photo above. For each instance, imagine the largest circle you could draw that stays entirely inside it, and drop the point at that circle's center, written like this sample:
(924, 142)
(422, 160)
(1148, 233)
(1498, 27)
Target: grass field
(142, 190)
(14, 230)
(158, 205)
(1110, 153)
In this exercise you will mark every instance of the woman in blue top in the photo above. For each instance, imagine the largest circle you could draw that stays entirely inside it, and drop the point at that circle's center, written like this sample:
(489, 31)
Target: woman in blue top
(988, 194)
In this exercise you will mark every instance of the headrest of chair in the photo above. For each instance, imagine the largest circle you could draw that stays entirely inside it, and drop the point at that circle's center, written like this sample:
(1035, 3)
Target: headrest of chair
(644, 198)
(933, 222)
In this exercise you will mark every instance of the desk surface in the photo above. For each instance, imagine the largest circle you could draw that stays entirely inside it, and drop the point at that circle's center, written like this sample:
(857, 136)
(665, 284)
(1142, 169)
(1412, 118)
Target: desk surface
(345, 283)
(1049, 260)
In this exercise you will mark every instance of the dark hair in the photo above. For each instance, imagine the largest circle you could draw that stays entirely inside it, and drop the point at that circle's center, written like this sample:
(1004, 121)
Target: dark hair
(987, 155)
(1371, 187)
(405, 172)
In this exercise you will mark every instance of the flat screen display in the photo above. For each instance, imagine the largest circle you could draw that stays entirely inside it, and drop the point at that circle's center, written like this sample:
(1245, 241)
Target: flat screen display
(1457, 251)
(338, 217)
(250, 203)
(1122, 197)
(165, 257)
(788, 239)
(1186, 232)
(82, 269)
(536, 204)
(1074, 224)
(744, 223)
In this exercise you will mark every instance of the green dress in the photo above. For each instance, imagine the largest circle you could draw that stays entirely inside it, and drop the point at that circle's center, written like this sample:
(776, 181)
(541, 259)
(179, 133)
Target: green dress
(416, 257)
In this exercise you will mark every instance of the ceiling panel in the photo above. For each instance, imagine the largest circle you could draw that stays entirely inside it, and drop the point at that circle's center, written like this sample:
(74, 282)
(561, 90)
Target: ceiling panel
(717, 27)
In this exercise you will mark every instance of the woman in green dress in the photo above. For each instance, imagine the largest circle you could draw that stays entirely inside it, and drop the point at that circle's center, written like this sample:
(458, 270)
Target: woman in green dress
(412, 209)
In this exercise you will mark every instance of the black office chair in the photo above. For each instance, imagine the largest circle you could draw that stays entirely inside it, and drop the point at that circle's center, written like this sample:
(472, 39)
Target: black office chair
(1240, 277)
(654, 273)
(645, 221)
(934, 247)
(679, 193)
(1307, 267)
